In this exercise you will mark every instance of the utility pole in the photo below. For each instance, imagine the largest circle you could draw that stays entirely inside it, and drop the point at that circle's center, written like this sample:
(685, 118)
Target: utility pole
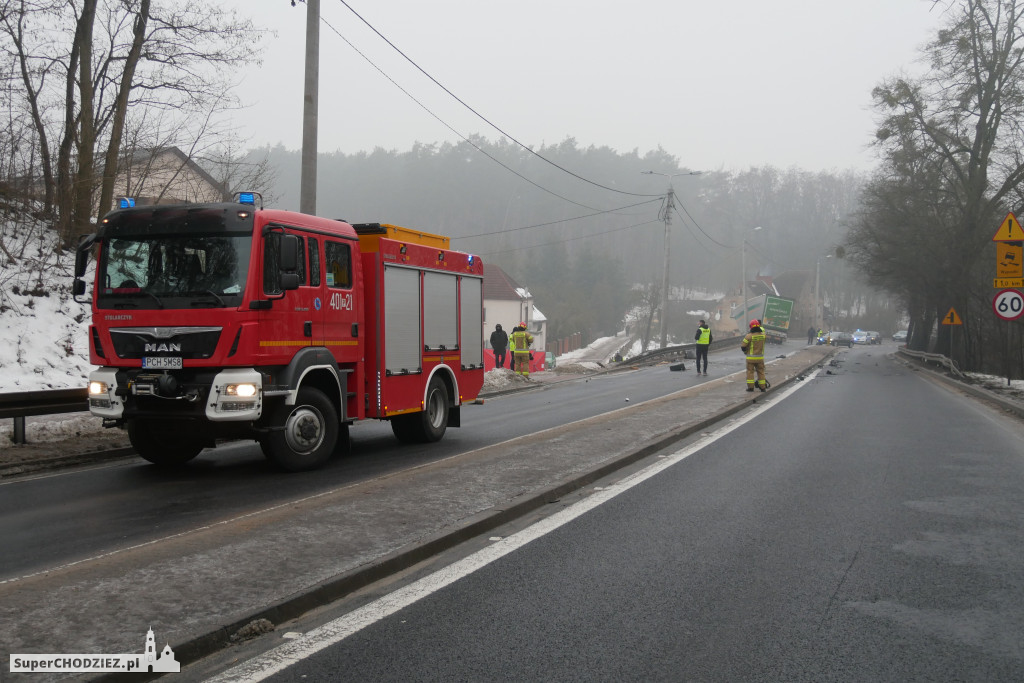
(817, 295)
(669, 205)
(311, 102)
(667, 217)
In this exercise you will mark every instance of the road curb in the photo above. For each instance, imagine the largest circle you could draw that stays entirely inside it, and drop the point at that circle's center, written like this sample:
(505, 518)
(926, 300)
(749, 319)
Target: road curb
(345, 584)
(34, 466)
(978, 392)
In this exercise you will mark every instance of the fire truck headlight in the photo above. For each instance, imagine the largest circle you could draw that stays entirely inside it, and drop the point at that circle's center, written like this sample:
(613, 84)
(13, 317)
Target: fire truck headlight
(240, 390)
(97, 388)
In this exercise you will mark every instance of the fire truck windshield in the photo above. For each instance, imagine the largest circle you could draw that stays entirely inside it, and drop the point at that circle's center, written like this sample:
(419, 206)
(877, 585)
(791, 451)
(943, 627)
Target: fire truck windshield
(143, 265)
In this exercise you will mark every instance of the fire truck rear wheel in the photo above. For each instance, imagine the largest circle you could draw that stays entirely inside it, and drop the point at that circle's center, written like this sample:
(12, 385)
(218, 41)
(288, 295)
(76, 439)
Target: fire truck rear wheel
(429, 424)
(161, 442)
(309, 435)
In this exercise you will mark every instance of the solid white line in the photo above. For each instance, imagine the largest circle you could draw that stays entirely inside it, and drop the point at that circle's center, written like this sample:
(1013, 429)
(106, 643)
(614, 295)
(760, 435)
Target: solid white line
(333, 632)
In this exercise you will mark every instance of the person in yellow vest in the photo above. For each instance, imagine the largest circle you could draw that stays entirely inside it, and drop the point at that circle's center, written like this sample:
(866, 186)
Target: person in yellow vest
(519, 342)
(753, 347)
(704, 340)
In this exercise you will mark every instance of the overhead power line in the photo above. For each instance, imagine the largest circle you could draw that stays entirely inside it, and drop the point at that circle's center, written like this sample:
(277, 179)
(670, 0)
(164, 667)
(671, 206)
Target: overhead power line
(569, 239)
(564, 220)
(445, 124)
(481, 116)
(703, 232)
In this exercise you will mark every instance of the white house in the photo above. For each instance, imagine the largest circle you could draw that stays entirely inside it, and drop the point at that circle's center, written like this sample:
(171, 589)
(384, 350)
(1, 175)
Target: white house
(507, 303)
(166, 176)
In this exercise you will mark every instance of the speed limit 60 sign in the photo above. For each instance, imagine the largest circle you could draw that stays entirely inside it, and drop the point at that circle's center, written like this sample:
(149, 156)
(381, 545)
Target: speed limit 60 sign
(1008, 304)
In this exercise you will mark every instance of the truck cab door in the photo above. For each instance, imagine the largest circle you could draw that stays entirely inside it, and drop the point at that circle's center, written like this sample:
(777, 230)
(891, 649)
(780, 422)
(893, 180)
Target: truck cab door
(341, 310)
(291, 321)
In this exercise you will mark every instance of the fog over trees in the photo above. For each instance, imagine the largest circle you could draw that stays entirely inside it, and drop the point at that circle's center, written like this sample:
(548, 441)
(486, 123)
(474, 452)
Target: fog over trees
(580, 248)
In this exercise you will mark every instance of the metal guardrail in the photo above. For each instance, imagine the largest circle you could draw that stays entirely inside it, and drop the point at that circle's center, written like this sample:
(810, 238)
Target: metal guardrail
(21, 404)
(936, 358)
(673, 352)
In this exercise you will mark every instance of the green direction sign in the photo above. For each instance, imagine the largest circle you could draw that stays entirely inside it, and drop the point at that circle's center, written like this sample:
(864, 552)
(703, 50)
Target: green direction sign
(777, 313)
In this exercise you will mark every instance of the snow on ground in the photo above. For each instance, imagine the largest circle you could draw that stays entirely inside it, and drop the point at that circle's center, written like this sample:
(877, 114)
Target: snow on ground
(637, 348)
(43, 332)
(500, 379)
(1013, 389)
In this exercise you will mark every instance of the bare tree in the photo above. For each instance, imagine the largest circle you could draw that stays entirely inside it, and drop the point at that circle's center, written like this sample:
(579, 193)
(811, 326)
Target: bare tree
(954, 159)
(86, 67)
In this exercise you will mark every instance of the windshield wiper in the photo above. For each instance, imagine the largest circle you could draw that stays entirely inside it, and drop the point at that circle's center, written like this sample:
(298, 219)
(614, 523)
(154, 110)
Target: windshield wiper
(216, 296)
(159, 302)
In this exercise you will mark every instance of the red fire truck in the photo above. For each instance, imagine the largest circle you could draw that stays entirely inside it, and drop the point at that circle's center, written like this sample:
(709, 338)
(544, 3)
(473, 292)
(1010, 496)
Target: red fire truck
(231, 321)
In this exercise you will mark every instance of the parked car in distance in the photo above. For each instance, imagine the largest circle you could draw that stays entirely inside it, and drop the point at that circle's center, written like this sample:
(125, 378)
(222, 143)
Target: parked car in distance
(861, 337)
(841, 339)
(549, 360)
(874, 337)
(900, 336)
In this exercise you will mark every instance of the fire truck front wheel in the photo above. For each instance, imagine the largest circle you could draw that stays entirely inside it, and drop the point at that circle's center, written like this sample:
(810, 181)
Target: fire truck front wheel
(162, 443)
(303, 435)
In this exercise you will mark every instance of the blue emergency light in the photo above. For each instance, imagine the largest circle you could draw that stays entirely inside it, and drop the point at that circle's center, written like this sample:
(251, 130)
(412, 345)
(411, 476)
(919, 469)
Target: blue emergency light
(247, 198)
(470, 259)
(126, 203)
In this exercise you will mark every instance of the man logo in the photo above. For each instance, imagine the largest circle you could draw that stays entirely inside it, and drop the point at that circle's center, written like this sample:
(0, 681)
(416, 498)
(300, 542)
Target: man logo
(167, 348)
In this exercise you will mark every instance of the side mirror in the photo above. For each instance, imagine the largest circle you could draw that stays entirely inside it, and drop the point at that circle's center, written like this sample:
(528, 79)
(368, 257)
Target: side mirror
(289, 262)
(289, 281)
(289, 253)
(85, 244)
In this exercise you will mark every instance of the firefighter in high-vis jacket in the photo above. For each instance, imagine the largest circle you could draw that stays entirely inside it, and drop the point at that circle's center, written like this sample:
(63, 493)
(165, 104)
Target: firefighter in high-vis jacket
(519, 342)
(753, 347)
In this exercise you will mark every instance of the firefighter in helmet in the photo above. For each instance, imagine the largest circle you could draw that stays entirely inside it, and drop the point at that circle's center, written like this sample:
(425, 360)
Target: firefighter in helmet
(520, 342)
(753, 346)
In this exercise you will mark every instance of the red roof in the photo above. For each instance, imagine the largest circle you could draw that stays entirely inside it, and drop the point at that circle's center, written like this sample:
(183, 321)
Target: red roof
(499, 285)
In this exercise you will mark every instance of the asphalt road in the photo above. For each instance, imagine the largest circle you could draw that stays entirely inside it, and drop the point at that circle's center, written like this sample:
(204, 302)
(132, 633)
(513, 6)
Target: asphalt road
(53, 520)
(866, 528)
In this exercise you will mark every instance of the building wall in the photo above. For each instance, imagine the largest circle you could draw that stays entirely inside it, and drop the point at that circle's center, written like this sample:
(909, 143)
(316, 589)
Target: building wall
(509, 313)
(502, 312)
(166, 178)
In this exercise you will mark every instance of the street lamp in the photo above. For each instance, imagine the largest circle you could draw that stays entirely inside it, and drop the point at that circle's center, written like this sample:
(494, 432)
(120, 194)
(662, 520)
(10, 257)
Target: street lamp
(667, 217)
(743, 315)
(819, 304)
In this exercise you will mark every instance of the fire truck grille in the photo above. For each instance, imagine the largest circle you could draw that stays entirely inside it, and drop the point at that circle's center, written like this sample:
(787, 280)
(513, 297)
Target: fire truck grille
(183, 342)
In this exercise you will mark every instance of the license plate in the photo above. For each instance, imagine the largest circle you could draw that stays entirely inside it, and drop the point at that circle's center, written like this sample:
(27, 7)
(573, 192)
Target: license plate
(161, 362)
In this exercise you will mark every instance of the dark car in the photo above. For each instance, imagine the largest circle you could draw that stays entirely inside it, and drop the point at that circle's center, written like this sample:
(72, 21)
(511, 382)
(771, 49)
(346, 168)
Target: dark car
(841, 339)
(874, 337)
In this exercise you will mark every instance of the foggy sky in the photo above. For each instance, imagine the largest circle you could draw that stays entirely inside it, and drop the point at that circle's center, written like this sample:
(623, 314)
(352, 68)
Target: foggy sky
(723, 85)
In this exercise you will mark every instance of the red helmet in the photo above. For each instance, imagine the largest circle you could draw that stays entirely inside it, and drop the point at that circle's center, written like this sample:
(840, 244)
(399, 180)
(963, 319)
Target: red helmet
(755, 323)
(522, 324)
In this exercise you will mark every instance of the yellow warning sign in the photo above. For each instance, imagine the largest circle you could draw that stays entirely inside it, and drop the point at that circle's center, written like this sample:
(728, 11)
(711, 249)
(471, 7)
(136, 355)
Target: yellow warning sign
(1009, 231)
(952, 318)
(1009, 259)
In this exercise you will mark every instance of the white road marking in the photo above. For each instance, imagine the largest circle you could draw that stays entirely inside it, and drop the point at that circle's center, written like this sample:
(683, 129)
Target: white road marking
(285, 655)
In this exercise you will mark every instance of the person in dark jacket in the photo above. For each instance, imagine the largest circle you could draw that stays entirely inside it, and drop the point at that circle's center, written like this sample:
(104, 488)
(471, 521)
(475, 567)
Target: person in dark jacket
(499, 342)
(703, 338)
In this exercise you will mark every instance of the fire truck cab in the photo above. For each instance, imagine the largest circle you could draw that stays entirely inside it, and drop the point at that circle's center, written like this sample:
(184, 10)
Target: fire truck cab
(228, 321)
